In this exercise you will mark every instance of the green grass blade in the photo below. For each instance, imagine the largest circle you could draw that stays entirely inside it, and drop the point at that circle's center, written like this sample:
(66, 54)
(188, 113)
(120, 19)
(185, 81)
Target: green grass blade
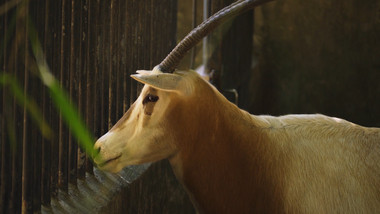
(60, 99)
(24, 101)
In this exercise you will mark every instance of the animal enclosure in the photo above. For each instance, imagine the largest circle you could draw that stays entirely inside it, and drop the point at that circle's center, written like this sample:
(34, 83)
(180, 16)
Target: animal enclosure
(91, 47)
(320, 63)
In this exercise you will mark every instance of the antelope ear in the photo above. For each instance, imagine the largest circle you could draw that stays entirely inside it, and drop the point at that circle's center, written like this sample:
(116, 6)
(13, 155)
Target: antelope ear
(144, 72)
(149, 72)
(160, 81)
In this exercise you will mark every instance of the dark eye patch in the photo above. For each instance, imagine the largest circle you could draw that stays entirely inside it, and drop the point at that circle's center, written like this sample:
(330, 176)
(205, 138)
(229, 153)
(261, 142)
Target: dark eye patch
(150, 98)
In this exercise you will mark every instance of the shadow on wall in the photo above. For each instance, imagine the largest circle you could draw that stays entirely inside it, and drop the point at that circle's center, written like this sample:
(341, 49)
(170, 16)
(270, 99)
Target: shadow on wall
(318, 57)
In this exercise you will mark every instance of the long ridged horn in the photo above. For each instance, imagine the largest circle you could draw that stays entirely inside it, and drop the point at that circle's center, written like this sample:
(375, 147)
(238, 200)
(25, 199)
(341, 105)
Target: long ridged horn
(234, 9)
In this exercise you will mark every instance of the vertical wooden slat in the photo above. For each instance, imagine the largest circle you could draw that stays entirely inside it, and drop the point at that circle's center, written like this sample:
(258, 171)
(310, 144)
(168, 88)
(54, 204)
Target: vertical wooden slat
(37, 17)
(111, 71)
(5, 185)
(85, 95)
(5, 188)
(133, 40)
(64, 81)
(95, 45)
(46, 161)
(2, 68)
(55, 26)
(116, 106)
(105, 72)
(93, 73)
(75, 81)
(123, 69)
(27, 141)
(16, 193)
(117, 62)
(19, 72)
(128, 43)
(5, 159)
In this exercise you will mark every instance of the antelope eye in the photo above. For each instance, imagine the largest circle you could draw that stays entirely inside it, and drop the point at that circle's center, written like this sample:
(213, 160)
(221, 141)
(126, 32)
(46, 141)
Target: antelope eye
(150, 98)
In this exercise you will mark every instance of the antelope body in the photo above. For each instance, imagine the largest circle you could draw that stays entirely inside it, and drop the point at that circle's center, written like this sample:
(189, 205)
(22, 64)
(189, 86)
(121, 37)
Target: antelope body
(232, 162)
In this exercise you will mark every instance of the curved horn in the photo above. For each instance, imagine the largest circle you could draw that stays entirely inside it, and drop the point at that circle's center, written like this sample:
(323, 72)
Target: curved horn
(234, 9)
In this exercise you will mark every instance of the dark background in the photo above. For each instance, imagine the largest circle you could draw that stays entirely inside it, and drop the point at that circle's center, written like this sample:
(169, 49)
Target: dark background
(306, 57)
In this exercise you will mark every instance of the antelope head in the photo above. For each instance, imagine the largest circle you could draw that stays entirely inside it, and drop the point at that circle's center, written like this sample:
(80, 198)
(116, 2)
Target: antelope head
(149, 130)
(145, 132)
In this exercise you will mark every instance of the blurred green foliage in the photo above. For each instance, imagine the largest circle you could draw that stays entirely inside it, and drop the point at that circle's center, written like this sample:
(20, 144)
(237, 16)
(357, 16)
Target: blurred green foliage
(58, 95)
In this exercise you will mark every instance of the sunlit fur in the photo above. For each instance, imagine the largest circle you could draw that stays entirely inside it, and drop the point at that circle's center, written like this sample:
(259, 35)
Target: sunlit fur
(232, 162)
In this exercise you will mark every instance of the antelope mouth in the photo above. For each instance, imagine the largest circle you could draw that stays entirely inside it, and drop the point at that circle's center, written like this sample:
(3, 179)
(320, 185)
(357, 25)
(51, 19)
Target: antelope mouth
(100, 165)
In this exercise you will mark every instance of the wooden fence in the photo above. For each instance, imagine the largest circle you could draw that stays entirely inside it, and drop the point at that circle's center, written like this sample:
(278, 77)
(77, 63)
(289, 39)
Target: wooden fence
(91, 46)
